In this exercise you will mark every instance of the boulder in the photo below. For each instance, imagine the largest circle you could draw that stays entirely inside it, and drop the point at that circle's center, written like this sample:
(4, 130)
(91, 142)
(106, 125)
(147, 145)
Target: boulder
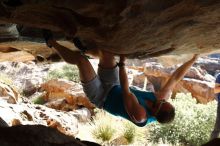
(203, 91)
(71, 95)
(141, 81)
(9, 94)
(3, 123)
(27, 77)
(21, 56)
(142, 29)
(31, 114)
(36, 135)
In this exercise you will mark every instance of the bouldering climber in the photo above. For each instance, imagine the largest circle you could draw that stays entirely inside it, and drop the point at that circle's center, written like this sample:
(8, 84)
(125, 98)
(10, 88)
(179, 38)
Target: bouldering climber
(109, 88)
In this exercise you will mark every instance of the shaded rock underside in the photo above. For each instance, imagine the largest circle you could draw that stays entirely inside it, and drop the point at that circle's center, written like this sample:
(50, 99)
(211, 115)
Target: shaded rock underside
(35, 135)
(143, 28)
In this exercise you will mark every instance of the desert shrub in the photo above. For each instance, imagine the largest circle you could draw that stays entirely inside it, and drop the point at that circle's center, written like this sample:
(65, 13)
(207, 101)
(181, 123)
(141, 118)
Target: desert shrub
(69, 72)
(129, 132)
(39, 100)
(192, 125)
(4, 78)
(119, 128)
(103, 132)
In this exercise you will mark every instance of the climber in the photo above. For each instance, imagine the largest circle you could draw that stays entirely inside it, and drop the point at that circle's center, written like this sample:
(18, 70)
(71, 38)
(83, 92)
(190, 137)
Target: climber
(216, 131)
(109, 89)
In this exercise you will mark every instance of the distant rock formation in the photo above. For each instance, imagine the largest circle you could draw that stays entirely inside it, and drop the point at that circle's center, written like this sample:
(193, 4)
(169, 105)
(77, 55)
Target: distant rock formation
(197, 81)
(211, 65)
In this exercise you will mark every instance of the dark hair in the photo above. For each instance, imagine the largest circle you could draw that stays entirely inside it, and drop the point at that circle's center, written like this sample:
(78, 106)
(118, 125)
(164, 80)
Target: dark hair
(166, 115)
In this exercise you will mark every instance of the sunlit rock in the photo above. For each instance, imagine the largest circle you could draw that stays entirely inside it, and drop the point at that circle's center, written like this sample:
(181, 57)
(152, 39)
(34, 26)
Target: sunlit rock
(62, 89)
(9, 94)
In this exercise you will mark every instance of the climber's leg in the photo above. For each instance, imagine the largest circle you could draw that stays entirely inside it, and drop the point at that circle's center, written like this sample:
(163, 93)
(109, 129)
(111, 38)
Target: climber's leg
(107, 60)
(86, 70)
(91, 83)
(108, 71)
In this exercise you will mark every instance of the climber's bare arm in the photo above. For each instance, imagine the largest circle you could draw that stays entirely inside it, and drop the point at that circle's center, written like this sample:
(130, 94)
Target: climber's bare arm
(134, 109)
(217, 88)
(175, 78)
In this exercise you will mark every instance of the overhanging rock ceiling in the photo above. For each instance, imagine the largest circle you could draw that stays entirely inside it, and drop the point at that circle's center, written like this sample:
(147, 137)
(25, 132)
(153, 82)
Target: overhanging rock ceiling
(141, 28)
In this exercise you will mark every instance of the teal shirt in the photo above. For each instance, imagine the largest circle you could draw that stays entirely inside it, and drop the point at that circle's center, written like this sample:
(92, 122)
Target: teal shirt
(114, 103)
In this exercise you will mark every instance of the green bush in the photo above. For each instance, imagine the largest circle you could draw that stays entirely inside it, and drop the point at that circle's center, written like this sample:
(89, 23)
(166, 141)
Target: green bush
(192, 125)
(39, 100)
(69, 72)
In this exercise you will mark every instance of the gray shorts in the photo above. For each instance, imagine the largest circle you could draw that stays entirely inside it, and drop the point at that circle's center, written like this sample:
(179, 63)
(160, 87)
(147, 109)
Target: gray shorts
(97, 89)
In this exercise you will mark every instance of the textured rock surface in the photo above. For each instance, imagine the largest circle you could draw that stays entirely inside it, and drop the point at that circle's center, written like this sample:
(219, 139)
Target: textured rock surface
(143, 28)
(37, 135)
(27, 119)
(27, 77)
(30, 114)
(70, 92)
(9, 93)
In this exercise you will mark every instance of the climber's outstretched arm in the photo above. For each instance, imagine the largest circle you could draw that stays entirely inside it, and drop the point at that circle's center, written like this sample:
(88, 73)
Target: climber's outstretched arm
(175, 78)
(135, 111)
(217, 88)
(217, 84)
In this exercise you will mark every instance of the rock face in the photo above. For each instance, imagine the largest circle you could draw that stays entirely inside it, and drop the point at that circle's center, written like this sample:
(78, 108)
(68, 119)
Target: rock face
(30, 114)
(26, 76)
(25, 123)
(29, 78)
(15, 47)
(143, 28)
(70, 92)
(11, 95)
(8, 32)
(37, 135)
